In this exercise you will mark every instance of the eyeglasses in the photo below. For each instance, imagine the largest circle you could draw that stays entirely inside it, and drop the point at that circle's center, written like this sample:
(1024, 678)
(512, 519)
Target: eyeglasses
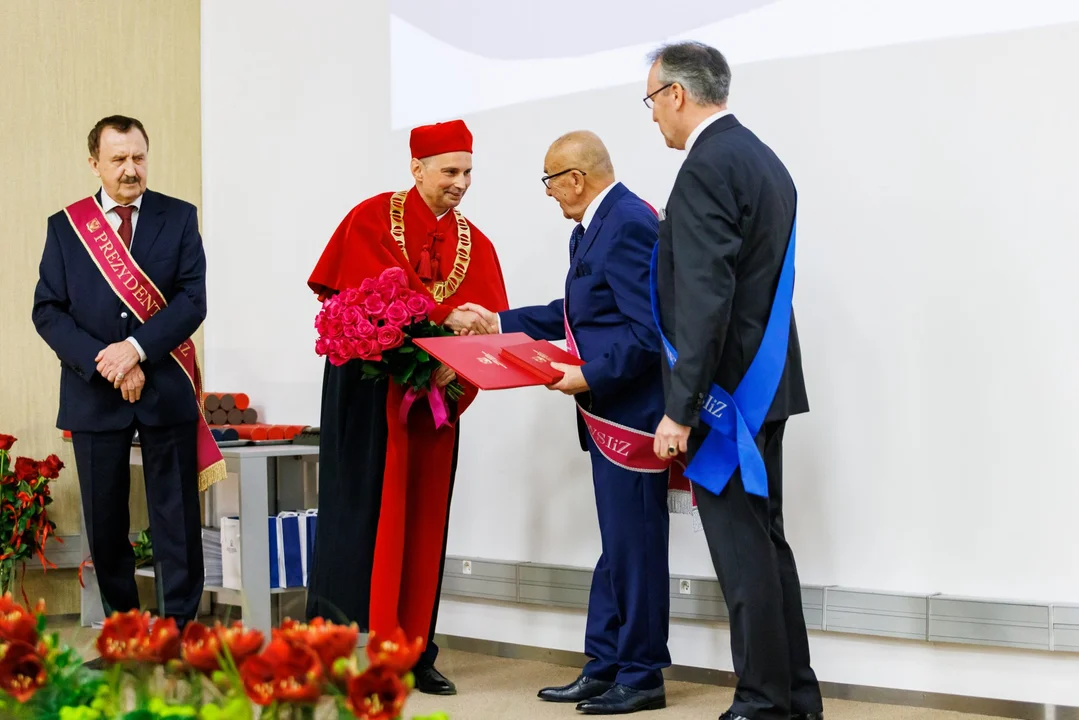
(649, 102)
(547, 178)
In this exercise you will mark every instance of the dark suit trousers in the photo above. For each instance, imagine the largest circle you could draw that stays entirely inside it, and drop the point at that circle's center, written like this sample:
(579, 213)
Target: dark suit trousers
(756, 570)
(629, 604)
(172, 498)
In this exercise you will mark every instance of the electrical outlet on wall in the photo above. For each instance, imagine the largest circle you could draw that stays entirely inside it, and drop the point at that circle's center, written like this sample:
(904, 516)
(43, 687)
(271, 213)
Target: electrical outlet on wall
(466, 567)
(684, 587)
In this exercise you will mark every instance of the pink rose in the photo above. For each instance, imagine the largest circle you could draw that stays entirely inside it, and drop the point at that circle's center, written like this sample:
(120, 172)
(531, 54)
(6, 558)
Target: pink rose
(320, 323)
(334, 328)
(368, 286)
(390, 337)
(368, 349)
(351, 315)
(335, 353)
(419, 305)
(397, 314)
(394, 275)
(387, 290)
(334, 308)
(364, 329)
(374, 305)
(322, 347)
(352, 296)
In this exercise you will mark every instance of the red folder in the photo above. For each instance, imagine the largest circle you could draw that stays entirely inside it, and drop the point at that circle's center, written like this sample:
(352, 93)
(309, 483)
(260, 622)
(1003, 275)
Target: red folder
(536, 357)
(479, 359)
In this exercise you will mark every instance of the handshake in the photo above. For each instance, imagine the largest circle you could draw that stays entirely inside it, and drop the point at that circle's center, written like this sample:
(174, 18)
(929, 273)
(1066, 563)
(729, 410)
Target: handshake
(471, 319)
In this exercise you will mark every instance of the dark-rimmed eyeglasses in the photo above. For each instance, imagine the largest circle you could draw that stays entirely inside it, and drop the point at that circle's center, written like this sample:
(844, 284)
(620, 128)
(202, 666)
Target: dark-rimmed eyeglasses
(649, 102)
(547, 178)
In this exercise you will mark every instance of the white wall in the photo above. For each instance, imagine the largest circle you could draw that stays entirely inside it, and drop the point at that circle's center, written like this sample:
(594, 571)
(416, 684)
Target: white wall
(292, 140)
(934, 303)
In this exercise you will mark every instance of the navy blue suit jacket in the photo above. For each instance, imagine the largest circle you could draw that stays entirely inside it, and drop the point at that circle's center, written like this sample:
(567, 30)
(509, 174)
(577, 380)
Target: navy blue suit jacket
(78, 315)
(609, 309)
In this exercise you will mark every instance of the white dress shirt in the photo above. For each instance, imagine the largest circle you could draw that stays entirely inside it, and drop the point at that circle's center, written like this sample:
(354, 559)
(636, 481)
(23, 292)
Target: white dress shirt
(590, 211)
(693, 136)
(109, 206)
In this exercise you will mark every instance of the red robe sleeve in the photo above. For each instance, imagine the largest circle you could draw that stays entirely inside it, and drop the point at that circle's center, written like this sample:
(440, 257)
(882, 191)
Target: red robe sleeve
(357, 250)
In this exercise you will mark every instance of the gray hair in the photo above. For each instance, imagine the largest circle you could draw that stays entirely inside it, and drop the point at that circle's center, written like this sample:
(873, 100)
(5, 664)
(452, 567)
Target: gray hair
(700, 69)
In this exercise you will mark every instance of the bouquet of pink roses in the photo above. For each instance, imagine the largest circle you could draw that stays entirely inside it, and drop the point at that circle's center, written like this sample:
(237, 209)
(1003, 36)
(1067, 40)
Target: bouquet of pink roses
(375, 323)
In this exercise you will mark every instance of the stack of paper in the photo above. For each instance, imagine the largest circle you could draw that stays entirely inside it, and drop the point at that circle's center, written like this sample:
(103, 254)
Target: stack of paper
(211, 556)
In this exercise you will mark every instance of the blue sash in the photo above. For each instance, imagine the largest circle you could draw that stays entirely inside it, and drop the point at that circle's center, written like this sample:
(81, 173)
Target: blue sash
(735, 421)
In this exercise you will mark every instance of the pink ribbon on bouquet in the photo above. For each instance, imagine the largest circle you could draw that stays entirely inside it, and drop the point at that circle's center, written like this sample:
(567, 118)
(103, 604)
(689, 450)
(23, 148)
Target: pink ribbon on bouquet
(436, 399)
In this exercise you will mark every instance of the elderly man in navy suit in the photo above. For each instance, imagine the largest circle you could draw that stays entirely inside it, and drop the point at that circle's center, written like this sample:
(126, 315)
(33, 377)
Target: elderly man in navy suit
(118, 304)
(606, 316)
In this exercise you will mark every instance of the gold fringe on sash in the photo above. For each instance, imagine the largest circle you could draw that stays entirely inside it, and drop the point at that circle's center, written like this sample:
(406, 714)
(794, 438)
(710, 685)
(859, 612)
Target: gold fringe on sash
(213, 474)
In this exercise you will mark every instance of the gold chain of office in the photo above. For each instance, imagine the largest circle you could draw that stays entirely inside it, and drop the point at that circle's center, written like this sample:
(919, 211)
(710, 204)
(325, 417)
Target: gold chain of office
(441, 289)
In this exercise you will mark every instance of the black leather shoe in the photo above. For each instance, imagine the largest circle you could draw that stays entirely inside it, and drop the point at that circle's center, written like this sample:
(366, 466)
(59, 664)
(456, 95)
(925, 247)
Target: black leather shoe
(731, 716)
(622, 699)
(583, 688)
(809, 716)
(431, 682)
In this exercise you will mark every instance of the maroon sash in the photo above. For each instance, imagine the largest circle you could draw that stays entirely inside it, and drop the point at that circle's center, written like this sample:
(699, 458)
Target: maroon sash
(143, 298)
(633, 450)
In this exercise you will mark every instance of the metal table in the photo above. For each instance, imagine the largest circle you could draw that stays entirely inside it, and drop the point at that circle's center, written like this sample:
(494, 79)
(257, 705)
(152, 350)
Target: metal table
(271, 480)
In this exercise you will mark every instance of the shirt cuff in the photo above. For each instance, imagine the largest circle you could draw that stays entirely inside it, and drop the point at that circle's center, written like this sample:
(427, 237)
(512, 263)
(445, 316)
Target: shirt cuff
(142, 355)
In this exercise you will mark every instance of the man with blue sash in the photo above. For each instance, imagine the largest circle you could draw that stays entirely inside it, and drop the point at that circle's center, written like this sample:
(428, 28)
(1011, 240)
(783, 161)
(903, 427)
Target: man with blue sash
(722, 283)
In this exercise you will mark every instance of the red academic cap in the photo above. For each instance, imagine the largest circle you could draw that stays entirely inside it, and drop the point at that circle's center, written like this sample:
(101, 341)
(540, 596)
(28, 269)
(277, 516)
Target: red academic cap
(447, 137)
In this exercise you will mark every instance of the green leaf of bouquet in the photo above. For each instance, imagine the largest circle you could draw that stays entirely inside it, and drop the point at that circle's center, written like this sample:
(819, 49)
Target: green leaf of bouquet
(422, 356)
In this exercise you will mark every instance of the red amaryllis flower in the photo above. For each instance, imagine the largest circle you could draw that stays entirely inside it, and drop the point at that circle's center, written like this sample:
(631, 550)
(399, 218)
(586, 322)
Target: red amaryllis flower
(50, 467)
(200, 648)
(6, 441)
(123, 636)
(22, 672)
(330, 642)
(376, 694)
(241, 642)
(134, 637)
(162, 642)
(395, 652)
(257, 675)
(17, 624)
(285, 671)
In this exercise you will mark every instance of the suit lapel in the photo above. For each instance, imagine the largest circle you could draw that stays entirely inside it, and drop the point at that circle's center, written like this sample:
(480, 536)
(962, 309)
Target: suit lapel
(151, 220)
(613, 196)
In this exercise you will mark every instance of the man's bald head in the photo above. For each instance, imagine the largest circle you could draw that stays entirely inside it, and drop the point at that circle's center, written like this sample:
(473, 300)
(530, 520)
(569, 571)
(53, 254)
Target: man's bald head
(577, 169)
(584, 150)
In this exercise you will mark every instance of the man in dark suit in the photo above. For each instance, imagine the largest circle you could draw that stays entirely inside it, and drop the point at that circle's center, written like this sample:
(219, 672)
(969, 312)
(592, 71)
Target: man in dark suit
(606, 309)
(723, 244)
(118, 375)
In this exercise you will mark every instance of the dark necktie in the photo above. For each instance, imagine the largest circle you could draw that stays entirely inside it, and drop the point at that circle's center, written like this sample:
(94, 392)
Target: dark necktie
(125, 223)
(575, 239)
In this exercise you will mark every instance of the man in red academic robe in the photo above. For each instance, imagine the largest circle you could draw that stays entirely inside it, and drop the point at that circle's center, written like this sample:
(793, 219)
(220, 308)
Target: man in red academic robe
(385, 487)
